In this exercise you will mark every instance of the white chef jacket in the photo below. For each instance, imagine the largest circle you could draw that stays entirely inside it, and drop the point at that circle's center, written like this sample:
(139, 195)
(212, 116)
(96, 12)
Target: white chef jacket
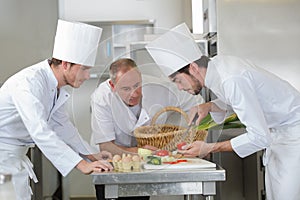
(261, 100)
(31, 113)
(113, 120)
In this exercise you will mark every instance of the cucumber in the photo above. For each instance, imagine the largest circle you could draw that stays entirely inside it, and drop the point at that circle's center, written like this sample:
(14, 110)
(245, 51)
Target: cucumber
(154, 160)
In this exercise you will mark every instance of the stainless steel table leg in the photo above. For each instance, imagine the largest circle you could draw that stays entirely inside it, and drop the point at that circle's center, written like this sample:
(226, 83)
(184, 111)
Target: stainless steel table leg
(111, 191)
(194, 197)
(209, 198)
(187, 197)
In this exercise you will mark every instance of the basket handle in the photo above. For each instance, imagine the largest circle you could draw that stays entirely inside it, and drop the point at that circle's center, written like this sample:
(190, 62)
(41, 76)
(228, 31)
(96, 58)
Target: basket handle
(169, 108)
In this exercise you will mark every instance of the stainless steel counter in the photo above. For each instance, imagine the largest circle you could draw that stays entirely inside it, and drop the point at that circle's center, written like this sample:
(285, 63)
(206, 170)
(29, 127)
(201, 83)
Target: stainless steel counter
(160, 182)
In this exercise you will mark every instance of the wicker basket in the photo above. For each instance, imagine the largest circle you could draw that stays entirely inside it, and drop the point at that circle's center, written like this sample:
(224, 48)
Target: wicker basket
(167, 136)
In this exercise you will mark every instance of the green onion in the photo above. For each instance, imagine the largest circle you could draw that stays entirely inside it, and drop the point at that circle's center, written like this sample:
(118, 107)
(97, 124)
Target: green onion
(231, 121)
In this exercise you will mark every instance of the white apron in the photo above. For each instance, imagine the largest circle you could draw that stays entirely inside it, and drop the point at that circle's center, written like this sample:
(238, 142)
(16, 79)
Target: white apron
(282, 162)
(13, 160)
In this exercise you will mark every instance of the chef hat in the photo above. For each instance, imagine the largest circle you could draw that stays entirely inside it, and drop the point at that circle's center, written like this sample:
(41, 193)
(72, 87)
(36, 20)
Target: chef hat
(76, 42)
(174, 49)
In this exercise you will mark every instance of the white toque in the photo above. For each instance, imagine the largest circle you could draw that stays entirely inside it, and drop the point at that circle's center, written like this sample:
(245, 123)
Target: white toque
(174, 49)
(76, 42)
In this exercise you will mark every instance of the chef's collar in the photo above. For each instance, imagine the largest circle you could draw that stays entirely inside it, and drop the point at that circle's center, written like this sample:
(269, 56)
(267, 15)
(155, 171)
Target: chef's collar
(52, 79)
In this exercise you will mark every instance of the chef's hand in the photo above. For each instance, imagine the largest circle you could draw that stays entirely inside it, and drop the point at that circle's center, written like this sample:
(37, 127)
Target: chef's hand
(105, 155)
(96, 166)
(197, 148)
(202, 110)
(102, 155)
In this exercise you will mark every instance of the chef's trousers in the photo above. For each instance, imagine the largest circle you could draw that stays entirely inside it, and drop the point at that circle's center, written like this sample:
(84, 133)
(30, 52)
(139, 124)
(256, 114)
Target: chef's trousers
(282, 164)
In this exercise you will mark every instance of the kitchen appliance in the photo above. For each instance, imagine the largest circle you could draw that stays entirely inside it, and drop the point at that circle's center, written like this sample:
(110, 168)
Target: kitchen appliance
(204, 17)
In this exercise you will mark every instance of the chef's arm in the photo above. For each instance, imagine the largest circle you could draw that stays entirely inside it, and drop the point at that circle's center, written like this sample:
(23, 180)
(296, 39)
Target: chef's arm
(201, 149)
(116, 149)
(220, 146)
(202, 110)
(90, 157)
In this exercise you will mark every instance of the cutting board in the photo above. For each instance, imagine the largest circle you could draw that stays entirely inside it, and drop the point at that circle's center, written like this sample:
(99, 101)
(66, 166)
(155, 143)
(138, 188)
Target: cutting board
(192, 163)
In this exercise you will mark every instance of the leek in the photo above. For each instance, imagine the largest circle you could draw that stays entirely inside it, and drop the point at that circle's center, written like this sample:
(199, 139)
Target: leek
(231, 121)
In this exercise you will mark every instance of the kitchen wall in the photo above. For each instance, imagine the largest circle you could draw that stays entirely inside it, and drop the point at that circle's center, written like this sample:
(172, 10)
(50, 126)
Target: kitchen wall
(26, 33)
(266, 32)
(26, 37)
(167, 13)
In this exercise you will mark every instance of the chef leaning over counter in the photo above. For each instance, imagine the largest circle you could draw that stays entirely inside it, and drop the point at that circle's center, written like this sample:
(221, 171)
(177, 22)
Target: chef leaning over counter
(128, 100)
(32, 110)
(267, 105)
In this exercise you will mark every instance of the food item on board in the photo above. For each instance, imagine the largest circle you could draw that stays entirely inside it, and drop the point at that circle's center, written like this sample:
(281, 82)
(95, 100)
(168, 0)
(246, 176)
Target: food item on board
(154, 160)
(176, 161)
(165, 157)
(144, 153)
(181, 145)
(159, 160)
(162, 153)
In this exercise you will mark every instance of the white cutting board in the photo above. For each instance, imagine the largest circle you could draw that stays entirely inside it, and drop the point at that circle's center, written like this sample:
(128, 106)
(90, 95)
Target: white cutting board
(192, 163)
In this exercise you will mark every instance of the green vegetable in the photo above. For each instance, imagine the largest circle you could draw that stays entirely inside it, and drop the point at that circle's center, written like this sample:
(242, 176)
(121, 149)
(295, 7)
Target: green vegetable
(154, 160)
(206, 123)
(231, 121)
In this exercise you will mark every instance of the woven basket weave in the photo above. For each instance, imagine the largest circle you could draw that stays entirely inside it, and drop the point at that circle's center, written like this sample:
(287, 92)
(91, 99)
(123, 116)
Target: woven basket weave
(167, 136)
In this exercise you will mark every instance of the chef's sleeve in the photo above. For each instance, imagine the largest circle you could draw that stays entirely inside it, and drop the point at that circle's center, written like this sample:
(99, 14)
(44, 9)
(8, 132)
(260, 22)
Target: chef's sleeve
(240, 92)
(69, 133)
(28, 101)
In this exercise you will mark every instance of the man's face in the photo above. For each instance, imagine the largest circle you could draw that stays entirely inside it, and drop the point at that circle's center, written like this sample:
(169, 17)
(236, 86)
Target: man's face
(187, 83)
(128, 86)
(76, 74)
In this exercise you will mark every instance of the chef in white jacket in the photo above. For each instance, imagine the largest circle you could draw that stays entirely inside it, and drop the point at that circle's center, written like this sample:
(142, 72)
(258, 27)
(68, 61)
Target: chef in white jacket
(129, 100)
(267, 105)
(32, 110)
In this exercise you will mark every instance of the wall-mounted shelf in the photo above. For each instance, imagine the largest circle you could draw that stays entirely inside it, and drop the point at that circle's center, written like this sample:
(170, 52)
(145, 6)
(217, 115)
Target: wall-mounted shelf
(117, 37)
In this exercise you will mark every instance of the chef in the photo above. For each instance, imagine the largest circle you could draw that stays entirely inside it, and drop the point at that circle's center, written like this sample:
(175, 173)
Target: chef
(32, 110)
(126, 101)
(267, 105)
(129, 100)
